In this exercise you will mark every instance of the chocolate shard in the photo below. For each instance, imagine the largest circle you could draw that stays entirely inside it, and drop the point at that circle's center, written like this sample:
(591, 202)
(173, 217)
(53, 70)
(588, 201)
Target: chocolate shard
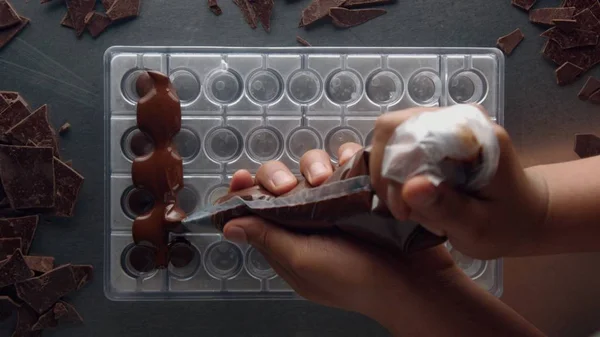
(35, 128)
(9, 246)
(65, 127)
(66, 21)
(587, 145)
(7, 307)
(248, 12)
(574, 39)
(3, 104)
(82, 274)
(12, 96)
(595, 97)
(27, 174)
(214, 7)
(65, 312)
(359, 3)
(263, 10)
(107, 4)
(123, 9)
(508, 43)
(582, 58)
(14, 269)
(524, 4)
(67, 183)
(25, 321)
(578, 4)
(41, 292)
(589, 88)
(568, 73)
(96, 23)
(77, 10)
(346, 18)
(8, 15)
(588, 21)
(6, 35)
(317, 10)
(566, 25)
(302, 41)
(40, 264)
(595, 8)
(22, 228)
(11, 116)
(45, 321)
(544, 16)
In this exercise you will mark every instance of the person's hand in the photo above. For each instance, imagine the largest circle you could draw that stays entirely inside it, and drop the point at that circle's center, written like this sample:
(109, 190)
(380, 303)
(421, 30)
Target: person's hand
(501, 219)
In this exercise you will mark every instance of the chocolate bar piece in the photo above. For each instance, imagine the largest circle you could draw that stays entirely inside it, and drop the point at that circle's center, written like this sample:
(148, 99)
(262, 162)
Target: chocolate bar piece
(122, 9)
(302, 41)
(588, 21)
(248, 12)
(6, 35)
(317, 10)
(578, 4)
(508, 43)
(567, 73)
(580, 58)
(346, 18)
(35, 128)
(3, 104)
(25, 321)
(41, 292)
(591, 86)
(22, 228)
(68, 183)
(45, 321)
(545, 16)
(566, 25)
(107, 4)
(66, 21)
(96, 24)
(214, 7)
(574, 39)
(587, 145)
(7, 307)
(65, 312)
(8, 15)
(523, 4)
(82, 274)
(40, 264)
(263, 10)
(77, 10)
(12, 115)
(9, 246)
(14, 269)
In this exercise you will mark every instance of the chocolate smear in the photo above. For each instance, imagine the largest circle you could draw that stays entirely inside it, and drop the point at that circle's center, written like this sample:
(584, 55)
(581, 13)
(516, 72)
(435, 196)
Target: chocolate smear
(303, 41)
(7, 307)
(508, 43)
(8, 15)
(263, 10)
(574, 39)
(14, 270)
(77, 10)
(568, 73)
(123, 9)
(142, 258)
(68, 183)
(6, 35)
(544, 16)
(35, 128)
(589, 88)
(181, 253)
(43, 291)
(12, 115)
(524, 4)
(9, 246)
(317, 10)
(82, 274)
(247, 12)
(359, 3)
(566, 25)
(22, 228)
(346, 18)
(27, 175)
(25, 321)
(66, 21)
(214, 7)
(96, 24)
(587, 145)
(65, 312)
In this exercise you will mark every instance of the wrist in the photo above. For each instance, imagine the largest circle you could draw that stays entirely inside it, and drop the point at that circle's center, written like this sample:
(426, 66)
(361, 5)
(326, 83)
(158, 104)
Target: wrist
(541, 197)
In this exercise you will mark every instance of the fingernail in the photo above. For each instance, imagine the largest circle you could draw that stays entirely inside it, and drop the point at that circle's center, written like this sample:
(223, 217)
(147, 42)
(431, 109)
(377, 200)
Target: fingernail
(236, 234)
(316, 170)
(280, 178)
(346, 154)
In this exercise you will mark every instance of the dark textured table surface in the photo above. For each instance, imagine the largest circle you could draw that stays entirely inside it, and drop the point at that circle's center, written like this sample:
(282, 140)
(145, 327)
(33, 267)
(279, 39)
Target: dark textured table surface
(47, 64)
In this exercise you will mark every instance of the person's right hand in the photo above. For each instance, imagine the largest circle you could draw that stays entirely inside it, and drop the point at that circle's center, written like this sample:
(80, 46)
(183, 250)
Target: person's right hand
(501, 219)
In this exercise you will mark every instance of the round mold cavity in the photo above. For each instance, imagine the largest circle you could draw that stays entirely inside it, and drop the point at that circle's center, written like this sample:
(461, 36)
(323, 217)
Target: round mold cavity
(138, 261)
(472, 267)
(184, 259)
(344, 87)
(187, 143)
(384, 87)
(224, 86)
(264, 86)
(223, 144)
(304, 86)
(257, 265)
(223, 260)
(425, 87)
(339, 136)
(467, 87)
(128, 85)
(188, 199)
(216, 193)
(264, 144)
(186, 85)
(302, 140)
(135, 202)
(369, 138)
(136, 143)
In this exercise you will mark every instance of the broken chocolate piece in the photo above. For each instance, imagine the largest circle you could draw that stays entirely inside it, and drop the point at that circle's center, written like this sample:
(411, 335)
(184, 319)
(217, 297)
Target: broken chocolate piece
(22, 227)
(77, 10)
(346, 18)
(40, 264)
(43, 291)
(65, 312)
(545, 16)
(9, 246)
(8, 15)
(12, 96)
(123, 9)
(508, 43)
(587, 145)
(247, 12)
(3, 104)
(317, 10)
(214, 7)
(66, 21)
(578, 4)
(35, 128)
(68, 183)
(82, 274)
(14, 269)
(587, 21)
(65, 127)
(524, 4)
(595, 97)
(45, 321)
(69, 163)
(589, 88)
(566, 25)
(303, 41)
(358, 3)
(107, 4)
(263, 10)
(12, 115)
(595, 8)
(25, 321)
(6, 35)
(574, 39)
(581, 58)
(567, 73)
(27, 174)
(181, 253)
(96, 24)
(7, 307)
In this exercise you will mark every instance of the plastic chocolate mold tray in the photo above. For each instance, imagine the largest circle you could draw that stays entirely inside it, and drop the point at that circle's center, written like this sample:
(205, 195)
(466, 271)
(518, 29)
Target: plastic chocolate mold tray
(244, 106)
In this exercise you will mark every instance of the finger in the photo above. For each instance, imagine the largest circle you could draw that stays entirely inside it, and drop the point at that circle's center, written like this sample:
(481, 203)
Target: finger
(276, 177)
(241, 179)
(315, 165)
(347, 151)
(395, 203)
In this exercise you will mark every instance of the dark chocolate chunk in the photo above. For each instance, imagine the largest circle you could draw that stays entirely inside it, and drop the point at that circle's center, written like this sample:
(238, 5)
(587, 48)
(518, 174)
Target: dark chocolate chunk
(588, 21)
(122, 9)
(12, 115)
(214, 7)
(346, 18)
(12, 96)
(65, 127)
(595, 9)
(67, 183)
(181, 253)
(595, 97)
(263, 10)
(574, 39)
(567, 73)
(358, 3)
(6, 35)
(508, 43)
(43, 291)
(36, 128)
(96, 24)
(14, 269)
(587, 145)
(77, 10)
(27, 175)
(65, 312)
(302, 41)
(82, 274)
(9, 246)
(524, 4)
(317, 10)
(40, 264)
(589, 88)
(66, 21)
(248, 12)
(578, 4)
(7, 307)
(22, 227)
(3, 104)
(566, 25)
(45, 321)
(8, 15)
(581, 58)
(141, 258)
(545, 16)
(25, 321)
(107, 4)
